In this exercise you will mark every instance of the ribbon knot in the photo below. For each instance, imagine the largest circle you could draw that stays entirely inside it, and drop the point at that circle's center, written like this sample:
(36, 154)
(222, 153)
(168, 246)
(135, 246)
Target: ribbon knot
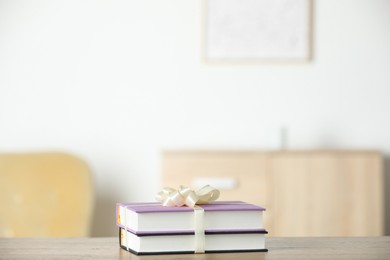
(185, 196)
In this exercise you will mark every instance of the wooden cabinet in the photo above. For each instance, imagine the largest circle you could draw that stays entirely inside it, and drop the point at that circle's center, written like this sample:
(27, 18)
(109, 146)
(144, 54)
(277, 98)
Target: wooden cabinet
(306, 193)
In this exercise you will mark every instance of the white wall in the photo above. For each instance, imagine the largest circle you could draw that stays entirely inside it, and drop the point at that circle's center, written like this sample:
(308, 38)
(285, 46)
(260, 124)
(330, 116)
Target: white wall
(116, 82)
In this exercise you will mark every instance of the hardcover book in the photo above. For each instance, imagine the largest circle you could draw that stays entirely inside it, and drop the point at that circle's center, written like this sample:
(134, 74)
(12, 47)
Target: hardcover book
(222, 215)
(177, 243)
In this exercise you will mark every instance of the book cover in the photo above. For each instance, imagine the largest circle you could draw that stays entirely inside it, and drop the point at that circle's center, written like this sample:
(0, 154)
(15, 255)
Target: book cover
(183, 243)
(141, 218)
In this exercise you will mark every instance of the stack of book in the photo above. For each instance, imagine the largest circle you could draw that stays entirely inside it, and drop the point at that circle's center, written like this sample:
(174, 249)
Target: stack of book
(223, 226)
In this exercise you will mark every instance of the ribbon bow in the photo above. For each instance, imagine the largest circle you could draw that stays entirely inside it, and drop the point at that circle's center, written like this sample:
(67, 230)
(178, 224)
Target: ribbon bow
(185, 196)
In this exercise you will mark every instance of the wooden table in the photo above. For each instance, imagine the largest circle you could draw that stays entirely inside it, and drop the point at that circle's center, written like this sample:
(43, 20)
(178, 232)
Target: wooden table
(279, 248)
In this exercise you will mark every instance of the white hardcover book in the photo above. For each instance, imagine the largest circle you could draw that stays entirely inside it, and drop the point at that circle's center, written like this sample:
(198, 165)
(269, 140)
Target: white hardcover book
(214, 242)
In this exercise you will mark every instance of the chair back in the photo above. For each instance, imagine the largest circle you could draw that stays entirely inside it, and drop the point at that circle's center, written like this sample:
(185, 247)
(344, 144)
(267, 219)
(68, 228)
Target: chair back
(45, 195)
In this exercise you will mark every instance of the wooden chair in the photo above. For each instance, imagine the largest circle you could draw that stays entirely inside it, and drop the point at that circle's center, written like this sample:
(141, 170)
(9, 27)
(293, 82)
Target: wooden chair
(45, 195)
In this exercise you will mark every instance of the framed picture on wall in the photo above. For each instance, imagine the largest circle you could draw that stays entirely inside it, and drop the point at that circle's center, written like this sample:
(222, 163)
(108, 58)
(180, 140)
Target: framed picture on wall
(257, 30)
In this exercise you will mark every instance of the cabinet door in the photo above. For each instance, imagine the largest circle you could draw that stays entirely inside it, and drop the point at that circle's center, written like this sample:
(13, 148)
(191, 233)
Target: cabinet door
(326, 194)
(288, 175)
(238, 175)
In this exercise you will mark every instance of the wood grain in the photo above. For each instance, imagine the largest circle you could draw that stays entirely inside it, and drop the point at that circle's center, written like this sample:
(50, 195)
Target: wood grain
(279, 248)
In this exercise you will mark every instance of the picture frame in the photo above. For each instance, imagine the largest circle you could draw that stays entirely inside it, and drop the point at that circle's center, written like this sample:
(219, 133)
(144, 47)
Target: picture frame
(258, 30)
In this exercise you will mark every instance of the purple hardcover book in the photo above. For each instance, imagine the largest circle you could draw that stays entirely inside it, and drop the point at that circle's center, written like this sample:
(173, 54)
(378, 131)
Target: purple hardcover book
(221, 216)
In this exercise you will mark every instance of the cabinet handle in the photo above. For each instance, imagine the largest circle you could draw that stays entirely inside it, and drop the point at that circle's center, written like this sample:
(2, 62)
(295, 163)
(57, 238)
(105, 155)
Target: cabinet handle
(218, 183)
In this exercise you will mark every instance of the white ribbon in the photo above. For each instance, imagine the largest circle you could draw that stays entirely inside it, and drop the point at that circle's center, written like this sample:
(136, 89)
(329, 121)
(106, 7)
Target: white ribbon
(199, 230)
(184, 196)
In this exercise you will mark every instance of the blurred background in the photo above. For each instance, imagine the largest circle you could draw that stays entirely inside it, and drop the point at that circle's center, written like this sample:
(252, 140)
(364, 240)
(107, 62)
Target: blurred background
(118, 82)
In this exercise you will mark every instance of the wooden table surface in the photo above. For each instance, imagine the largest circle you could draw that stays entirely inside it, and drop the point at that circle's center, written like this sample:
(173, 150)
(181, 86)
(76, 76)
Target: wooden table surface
(279, 248)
